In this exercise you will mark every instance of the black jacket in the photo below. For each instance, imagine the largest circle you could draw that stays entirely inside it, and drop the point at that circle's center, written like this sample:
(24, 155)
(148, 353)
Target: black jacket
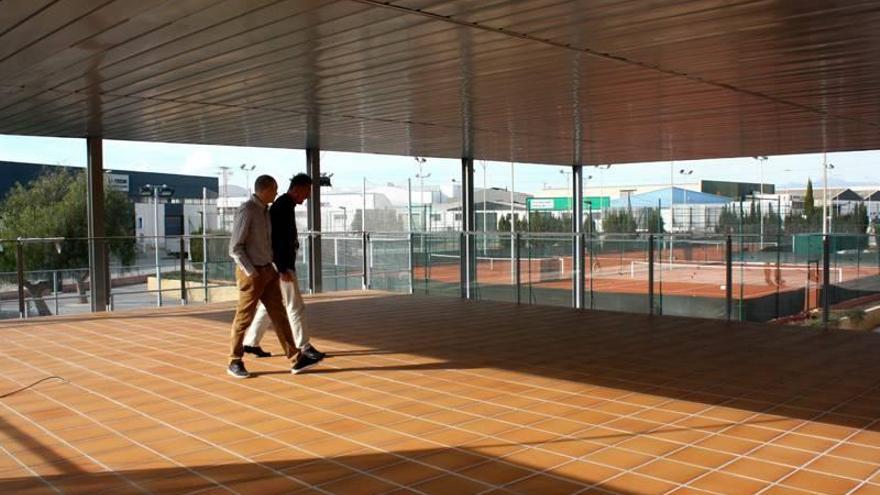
(285, 242)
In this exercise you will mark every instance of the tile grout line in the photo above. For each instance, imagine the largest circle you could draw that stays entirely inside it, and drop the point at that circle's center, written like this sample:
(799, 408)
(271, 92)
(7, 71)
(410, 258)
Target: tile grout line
(31, 471)
(73, 447)
(367, 445)
(118, 433)
(552, 416)
(237, 425)
(816, 455)
(685, 445)
(662, 424)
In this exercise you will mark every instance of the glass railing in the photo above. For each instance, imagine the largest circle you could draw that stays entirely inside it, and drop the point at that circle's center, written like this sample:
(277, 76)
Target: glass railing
(390, 259)
(546, 269)
(618, 272)
(42, 277)
(342, 261)
(804, 279)
(437, 264)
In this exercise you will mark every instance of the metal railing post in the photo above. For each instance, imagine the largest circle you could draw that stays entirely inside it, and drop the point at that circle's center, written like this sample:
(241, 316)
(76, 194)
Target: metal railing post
(517, 269)
(182, 254)
(55, 288)
(158, 274)
(108, 281)
(365, 241)
(19, 267)
(411, 263)
(728, 277)
(592, 254)
(826, 282)
(651, 275)
(204, 266)
(577, 274)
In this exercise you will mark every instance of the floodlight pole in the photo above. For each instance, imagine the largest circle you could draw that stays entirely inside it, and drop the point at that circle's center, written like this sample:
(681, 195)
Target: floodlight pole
(156, 189)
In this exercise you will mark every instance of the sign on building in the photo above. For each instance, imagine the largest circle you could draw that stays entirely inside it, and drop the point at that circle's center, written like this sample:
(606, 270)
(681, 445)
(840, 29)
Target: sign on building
(116, 182)
(564, 204)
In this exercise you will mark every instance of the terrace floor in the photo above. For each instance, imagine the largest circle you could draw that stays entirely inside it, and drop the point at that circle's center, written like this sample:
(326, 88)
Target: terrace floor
(439, 396)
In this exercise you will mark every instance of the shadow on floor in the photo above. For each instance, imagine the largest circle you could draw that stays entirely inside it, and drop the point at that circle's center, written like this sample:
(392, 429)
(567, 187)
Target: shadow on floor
(751, 367)
(285, 471)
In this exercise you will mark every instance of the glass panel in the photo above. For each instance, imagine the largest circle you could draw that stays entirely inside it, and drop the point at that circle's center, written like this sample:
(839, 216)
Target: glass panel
(854, 278)
(8, 281)
(55, 277)
(617, 273)
(495, 274)
(546, 269)
(389, 262)
(302, 262)
(690, 276)
(437, 264)
(342, 257)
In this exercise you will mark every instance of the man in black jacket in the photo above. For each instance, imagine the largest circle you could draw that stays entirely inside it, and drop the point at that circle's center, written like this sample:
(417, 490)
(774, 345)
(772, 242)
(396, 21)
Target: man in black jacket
(284, 247)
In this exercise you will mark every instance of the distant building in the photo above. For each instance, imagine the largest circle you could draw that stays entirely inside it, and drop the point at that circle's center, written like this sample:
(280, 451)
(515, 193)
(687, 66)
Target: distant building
(682, 210)
(490, 206)
(842, 200)
(179, 212)
(186, 187)
(732, 190)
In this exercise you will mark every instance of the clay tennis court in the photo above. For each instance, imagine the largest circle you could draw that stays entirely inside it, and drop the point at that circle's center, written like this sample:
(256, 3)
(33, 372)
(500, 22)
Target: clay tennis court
(696, 272)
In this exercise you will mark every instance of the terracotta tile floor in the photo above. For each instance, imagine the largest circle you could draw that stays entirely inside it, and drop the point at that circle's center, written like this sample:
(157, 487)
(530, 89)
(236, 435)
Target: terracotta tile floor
(439, 396)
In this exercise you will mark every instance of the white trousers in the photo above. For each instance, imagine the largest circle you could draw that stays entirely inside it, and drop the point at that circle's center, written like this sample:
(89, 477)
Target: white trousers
(295, 306)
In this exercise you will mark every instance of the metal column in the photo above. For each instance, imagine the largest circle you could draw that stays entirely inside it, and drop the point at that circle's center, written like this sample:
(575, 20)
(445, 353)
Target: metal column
(468, 219)
(98, 266)
(577, 227)
(313, 168)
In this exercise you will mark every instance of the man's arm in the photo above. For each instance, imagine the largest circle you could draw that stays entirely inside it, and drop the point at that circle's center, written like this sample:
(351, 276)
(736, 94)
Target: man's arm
(282, 244)
(240, 228)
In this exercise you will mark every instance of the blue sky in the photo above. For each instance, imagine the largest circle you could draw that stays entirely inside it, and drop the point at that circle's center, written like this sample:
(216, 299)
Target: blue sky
(850, 168)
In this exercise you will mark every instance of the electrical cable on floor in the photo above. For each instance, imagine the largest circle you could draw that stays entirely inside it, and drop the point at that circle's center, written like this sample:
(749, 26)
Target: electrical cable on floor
(22, 389)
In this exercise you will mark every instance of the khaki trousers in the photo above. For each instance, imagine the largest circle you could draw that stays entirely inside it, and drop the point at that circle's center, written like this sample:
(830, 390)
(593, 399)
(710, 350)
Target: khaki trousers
(263, 287)
(296, 309)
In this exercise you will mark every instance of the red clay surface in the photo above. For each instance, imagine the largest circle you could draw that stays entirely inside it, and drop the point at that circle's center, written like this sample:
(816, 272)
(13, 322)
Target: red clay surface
(613, 272)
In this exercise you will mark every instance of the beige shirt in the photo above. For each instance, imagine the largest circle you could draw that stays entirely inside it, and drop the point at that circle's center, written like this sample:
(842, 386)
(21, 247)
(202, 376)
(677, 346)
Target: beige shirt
(251, 243)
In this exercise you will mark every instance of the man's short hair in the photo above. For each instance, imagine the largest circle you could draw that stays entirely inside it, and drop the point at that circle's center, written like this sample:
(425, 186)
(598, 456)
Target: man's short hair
(263, 182)
(300, 180)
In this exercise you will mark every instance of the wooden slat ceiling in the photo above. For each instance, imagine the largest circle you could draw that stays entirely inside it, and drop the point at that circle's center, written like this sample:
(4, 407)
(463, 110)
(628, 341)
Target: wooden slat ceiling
(541, 81)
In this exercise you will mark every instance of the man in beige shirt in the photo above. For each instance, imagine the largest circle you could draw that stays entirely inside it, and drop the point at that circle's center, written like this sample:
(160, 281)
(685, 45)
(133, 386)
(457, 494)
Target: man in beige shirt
(257, 279)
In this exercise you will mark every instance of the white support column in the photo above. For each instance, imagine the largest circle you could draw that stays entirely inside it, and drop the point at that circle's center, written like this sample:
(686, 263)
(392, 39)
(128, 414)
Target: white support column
(577, 226)
(468, 258)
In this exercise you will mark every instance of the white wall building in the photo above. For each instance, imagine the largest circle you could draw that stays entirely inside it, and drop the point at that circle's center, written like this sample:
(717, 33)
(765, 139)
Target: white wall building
(173, 219)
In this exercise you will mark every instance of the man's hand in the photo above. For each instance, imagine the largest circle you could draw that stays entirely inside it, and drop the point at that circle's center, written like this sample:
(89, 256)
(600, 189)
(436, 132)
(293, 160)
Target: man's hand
(287, 276)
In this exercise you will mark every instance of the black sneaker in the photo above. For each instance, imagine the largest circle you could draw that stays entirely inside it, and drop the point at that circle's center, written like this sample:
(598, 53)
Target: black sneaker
(257, 351)
(312, 352)
(237, 369)
(303, 362)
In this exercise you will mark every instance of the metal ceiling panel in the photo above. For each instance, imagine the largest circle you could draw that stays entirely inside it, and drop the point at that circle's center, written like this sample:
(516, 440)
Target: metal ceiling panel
(543, 81)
